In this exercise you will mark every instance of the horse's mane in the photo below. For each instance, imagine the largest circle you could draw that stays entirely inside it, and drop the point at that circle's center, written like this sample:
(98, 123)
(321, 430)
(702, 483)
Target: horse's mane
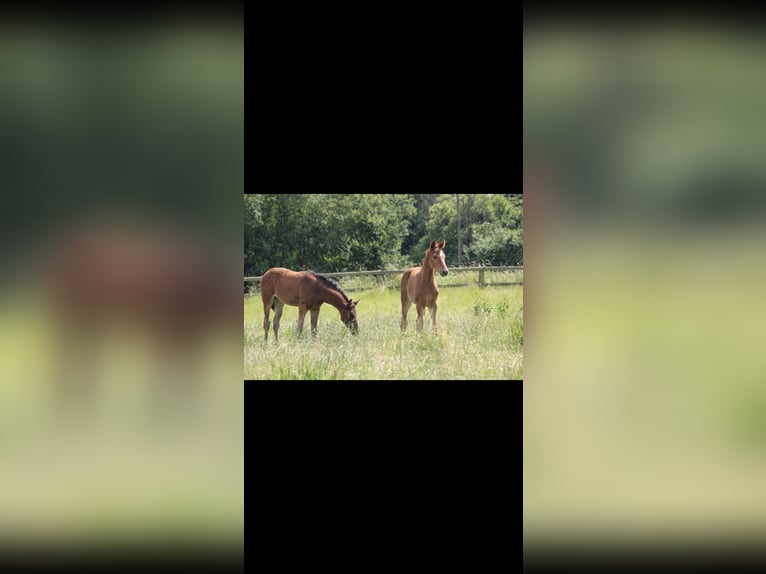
(331, 284)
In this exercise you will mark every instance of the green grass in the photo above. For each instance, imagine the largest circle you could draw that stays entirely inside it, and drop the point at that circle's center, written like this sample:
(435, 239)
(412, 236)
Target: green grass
(120, 472)
(480, 337)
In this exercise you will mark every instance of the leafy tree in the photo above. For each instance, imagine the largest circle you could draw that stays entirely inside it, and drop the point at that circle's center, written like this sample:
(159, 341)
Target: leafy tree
(339, 232)
(490, 227)
(326, 232)
(417, 228)
(253, 221)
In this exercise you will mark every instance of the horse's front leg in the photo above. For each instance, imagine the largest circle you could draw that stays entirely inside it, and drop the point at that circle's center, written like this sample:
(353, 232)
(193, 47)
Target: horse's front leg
(302, 309)
(314, 319)
(433, 316)
(419, 323)
(266, 312)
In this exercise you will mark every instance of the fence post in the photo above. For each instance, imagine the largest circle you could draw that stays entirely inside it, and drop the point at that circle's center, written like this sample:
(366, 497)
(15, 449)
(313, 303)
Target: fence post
(481, 277)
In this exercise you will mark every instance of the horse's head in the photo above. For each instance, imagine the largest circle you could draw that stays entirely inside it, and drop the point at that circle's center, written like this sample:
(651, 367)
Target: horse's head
(349, 316)
(435, 257)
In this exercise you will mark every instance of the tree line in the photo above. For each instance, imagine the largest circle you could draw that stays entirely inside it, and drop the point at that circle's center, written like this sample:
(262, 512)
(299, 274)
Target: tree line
(357, 232)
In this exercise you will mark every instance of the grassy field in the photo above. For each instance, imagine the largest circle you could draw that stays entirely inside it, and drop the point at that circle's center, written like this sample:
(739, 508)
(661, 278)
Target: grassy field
(645, 407)
(121, 470)
(480, 337)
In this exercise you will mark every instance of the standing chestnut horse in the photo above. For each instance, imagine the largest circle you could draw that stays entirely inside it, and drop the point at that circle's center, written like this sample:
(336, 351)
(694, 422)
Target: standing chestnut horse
(307, 290)
(419, 285)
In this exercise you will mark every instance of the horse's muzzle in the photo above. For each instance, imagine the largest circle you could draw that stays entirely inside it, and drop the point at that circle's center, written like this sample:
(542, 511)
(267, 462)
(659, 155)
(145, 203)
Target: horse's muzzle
(444, 272)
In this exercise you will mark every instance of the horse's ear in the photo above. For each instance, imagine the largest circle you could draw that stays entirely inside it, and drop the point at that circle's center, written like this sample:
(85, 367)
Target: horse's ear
(356, 302)
(433, 244)
(443, 243)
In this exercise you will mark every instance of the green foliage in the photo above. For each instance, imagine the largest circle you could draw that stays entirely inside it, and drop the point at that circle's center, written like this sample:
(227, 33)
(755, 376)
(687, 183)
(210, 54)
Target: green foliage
(490, 229)
(326, 232)
(665, 125)
(355, 232)
(441, 224)
(423, 203)
(122, 125)
(482, 308)
(517, 330)
(495, 243)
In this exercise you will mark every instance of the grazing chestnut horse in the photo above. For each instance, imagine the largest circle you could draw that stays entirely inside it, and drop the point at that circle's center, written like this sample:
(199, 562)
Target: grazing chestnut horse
(170, 289)
(307, 290)
(419, 285)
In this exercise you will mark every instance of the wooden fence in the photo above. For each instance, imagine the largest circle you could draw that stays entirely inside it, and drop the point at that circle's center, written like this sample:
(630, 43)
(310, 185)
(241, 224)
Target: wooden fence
(482, 281)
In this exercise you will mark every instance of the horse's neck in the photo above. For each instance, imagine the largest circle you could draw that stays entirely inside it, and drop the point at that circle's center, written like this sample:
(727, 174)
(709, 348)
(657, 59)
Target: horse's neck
(334, 298)
(426, 272)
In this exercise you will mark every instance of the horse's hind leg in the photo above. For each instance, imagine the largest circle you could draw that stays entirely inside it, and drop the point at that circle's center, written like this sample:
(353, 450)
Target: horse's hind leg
(278, 308)
(406, 304)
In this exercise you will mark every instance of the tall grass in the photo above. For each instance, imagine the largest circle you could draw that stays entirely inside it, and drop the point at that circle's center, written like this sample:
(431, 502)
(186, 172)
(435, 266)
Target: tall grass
(121, 468)
(480, 337)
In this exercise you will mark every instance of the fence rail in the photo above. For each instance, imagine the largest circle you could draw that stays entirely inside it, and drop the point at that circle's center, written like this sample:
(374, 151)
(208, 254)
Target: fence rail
(384, 272)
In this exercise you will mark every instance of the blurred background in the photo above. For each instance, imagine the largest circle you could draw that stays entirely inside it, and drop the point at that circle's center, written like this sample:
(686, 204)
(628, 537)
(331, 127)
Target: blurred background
(121, 170)
(645, 372)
